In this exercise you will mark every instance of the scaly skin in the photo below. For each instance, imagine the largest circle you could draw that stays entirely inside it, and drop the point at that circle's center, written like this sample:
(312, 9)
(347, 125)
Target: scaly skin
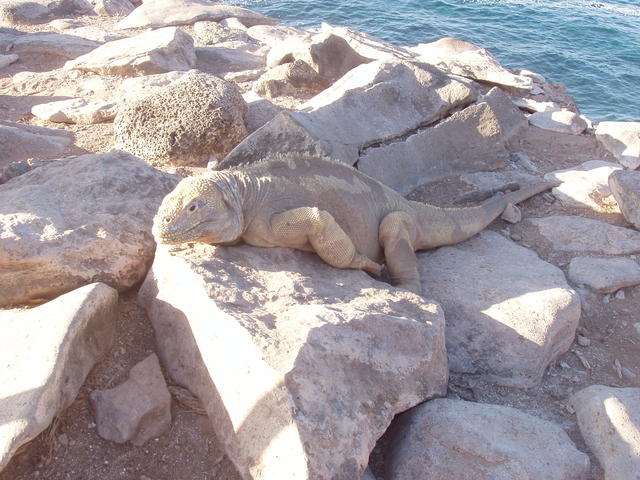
(349, 219)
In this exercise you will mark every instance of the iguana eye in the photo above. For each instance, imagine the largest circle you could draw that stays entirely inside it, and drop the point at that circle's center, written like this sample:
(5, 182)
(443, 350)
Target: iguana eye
(192, 208)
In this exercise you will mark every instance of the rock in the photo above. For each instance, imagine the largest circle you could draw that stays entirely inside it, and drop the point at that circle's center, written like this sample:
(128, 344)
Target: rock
(76, 110)
(604, 275)
(273, 35)
(509, 314)
(622, 139)
(46, 353)
(511, 214)
(137, 410)
(46, 43)
(210, 33)
(468, 60)
(259, 111)
(586, 186)
(328, 54)
(112, 8)
(6, 60)
(625, 186)
(561, 121)
(452, 439)
(30, 12)
(137, 88)
(157, 51)
(394, 97)
(233, 57)
(195, 119)
(61, 24)
(609, 420)
(296, 79)
(369, 46)
(533, 106)
(245, 75)
(578, 234)
(234, 23)
(20, 142)
(300, 366)
(49, 244)
(470, 140)
(66, 83)
(95, 34)
(163, 13)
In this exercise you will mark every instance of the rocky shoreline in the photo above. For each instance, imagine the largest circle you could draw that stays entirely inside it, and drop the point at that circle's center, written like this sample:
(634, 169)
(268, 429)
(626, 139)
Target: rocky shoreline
(125, 359)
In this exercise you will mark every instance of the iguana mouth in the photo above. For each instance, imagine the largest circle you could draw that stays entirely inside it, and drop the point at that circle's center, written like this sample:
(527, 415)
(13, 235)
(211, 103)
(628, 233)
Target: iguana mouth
(179, 236)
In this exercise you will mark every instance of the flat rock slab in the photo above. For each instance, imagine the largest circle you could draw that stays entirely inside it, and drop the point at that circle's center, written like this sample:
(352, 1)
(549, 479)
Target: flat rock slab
(46, 43)
(223, 58)
(45, 355)
(609, 420)
(191, 121)
(578, 234)
(369, 46)
(31, 12)
(561, 121)
(448, 439)
(625, 185)
(157, 51)
(76, 110)
(394, 97)
(301, 366)
(138, 409)
(509, 313)
(623, 140)
(95, 34)
(6, 60)
(20, 142)
(604, 275)
(163, 13)
(586, 186)
(471, 140)
(77, 221)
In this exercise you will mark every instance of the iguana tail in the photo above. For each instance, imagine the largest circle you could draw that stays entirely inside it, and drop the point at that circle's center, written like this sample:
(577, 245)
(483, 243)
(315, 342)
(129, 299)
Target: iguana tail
(446, 226)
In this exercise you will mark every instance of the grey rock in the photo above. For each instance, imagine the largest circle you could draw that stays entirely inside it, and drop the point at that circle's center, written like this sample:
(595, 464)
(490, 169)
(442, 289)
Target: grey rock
(625, 185)
(46, 43)
(21, 142)
(112, 8)
(157, 51)
(372, 103)
(46, 353)
(561, 121)
(77, 221)
(76, 110)
(604, 275)
(191, 121)
(579, 234)
(609, 420)
(586, 186)
(369, 46)
(138, 409)
(296, 79)
(138, 87)
(272, 35)
(163, 13)
(30, 12)
(229, 57)
(507, 320)
(300, 366)
(623, 140)
(470, 140)
(94, 34)
(259, 111)
(210, 33)
(6, 60)
(452, 439)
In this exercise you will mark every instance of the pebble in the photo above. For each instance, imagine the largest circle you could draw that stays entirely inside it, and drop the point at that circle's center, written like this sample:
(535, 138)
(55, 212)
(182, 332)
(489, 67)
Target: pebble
(565, 365)
(637, 327)
(626, 373)
(63, 439)
(620, 294)
(515, 237)
(583, 341)
(606, 299)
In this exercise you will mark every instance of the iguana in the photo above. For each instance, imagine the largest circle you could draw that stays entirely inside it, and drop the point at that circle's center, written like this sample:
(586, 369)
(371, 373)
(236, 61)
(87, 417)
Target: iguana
(310, 203)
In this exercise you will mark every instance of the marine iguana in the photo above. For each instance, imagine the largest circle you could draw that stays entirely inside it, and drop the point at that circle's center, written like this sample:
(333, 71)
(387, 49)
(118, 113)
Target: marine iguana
(317, 204)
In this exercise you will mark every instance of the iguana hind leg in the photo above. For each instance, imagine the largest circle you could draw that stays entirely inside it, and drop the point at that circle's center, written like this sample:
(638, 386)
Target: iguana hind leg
(299, 226)
(397, 236)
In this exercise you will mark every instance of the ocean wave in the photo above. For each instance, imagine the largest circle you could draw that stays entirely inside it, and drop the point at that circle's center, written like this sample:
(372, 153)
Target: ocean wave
(622, 9)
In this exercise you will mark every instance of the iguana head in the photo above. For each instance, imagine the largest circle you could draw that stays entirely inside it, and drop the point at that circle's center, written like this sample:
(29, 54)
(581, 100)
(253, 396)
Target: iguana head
(203, 209)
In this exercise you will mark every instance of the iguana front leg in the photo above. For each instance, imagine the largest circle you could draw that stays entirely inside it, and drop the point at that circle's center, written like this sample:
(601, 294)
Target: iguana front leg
(397, 235)
(309, 225)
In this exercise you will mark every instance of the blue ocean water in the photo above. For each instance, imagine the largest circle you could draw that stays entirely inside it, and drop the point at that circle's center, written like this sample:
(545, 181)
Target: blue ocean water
(592, 47)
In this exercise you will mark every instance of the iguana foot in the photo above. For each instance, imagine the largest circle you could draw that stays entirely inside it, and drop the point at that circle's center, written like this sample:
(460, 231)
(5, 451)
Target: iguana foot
(365, 263)
(412, 287)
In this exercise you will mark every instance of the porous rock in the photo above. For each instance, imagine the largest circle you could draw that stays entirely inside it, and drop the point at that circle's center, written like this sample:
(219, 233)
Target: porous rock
(163, 13)
(210, 33)
(138, 409)
(586, 186)
(569, 233)
(468, 60)
(193, 120)
(156, 51)
(452, 439)
(394, 97)
(471, 140)
(604, 275)
(20, 142)
(296, 79)
(623, 140)
(625, 185)
(46, 353)
(609, 420)
(506, 320)
(300, 366)
(561, 121)
(76, 110)
(77, 221)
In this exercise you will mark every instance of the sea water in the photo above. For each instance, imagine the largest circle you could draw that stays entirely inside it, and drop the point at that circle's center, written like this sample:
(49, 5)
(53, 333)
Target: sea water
(591, 47)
